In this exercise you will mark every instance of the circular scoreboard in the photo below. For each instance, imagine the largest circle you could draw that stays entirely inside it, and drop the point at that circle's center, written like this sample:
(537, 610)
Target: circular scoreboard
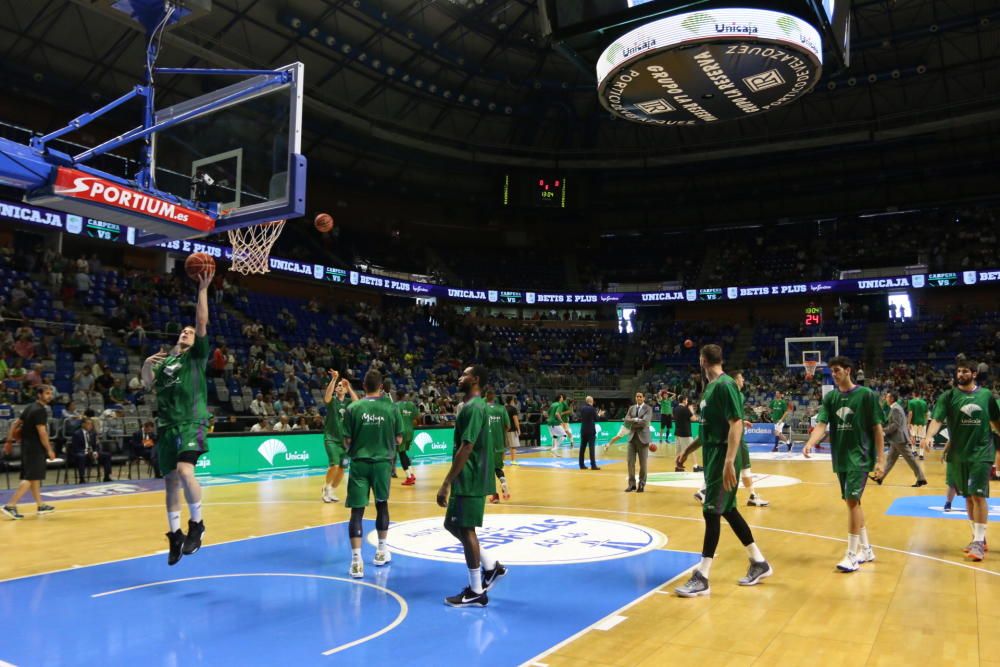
(709, 66)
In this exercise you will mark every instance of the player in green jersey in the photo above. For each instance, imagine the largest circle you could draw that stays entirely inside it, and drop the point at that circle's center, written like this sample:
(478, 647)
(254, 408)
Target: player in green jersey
(497, 426)
(666, 413)
(558, 432)
(917, 409)
(721, 433)
(780, 411)
(969, 411)
(852, 415)
(409, 415)
(372, 432)
(465, 487)
(178, 376)
(336, 401)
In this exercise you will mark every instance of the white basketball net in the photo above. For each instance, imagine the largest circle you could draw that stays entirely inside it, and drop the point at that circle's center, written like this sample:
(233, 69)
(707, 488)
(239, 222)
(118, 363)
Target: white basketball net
(252, 246)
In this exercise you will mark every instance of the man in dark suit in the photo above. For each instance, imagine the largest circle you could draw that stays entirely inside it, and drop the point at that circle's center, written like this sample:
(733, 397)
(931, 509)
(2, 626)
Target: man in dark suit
(638, 418)
(144, 447)
(588, 432)
(85, 448)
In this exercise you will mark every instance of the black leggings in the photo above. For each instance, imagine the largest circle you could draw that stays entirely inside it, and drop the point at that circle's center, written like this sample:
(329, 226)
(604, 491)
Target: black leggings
(713, 529)
(404, 460)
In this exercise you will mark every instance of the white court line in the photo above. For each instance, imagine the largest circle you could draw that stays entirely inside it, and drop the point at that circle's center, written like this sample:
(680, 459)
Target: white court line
(518, 506)
(403, 607)
(609, 622)
(594, 626)
(155, 553)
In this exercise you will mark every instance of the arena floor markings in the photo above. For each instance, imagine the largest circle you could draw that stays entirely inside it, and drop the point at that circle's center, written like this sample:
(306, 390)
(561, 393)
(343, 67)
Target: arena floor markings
(287, 599)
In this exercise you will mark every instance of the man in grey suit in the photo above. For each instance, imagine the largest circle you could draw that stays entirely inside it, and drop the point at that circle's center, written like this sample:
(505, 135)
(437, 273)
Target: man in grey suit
(897, 438)
(637, 419)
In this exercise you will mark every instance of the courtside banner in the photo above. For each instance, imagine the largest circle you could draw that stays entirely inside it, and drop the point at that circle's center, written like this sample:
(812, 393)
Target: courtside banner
(78, 185)
(262, 452)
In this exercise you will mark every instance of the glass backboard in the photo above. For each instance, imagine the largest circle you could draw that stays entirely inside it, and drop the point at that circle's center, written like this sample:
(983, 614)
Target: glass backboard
(239, 157)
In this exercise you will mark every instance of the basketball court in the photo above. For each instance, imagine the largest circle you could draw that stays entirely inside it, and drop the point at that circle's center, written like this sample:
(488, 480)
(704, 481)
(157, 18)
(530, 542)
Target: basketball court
(592, 571)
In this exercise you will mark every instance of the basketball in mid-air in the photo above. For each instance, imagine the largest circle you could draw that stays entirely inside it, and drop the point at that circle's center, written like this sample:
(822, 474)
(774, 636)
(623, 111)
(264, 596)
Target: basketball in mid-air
(652, 446)
(323, 222)
(197, 263)
(689, 343)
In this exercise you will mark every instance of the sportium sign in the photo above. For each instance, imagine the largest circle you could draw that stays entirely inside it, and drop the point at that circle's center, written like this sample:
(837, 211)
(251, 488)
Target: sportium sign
(708, 66)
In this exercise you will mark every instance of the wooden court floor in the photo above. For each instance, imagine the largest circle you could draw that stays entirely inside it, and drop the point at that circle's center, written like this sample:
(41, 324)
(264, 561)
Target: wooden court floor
(920, 603)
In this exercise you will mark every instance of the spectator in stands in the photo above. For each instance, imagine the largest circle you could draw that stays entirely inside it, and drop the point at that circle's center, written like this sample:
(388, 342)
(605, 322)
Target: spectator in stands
(282, 424)
(16, 372)
(85, 449)
(25, 346)
(116, 395)
(137, 330)
(257, 405)
(104, 383)
(301, 424)
(33, 378)
(261, 425)
(217, 364)
(83, 285)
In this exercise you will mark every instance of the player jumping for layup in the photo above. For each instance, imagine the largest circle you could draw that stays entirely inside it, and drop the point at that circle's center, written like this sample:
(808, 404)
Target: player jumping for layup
(182, 413)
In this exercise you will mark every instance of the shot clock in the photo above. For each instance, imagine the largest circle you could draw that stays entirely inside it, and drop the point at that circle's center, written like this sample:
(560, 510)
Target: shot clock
(813, 316)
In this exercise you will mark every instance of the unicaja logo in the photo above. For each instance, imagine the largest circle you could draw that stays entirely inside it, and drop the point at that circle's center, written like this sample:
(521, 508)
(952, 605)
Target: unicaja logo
(271, 448)
(844, 413)
(970, 410)
(422, 440)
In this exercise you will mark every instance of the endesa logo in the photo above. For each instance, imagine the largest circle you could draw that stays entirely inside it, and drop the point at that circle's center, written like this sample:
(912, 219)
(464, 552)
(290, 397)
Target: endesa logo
(78, 185)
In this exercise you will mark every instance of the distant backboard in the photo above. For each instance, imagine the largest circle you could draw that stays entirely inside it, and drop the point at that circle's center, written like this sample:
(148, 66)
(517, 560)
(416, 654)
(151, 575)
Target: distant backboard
(820, 349)
(239, 156)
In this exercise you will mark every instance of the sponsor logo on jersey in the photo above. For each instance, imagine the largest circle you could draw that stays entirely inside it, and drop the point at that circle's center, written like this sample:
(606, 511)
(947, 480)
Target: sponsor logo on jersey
(844, 413)
(372, 419)
(970, 409)
(528, 539)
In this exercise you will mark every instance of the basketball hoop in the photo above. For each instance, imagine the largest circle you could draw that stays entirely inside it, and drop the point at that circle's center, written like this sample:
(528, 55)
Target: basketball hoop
(810, 367)
(252, 246)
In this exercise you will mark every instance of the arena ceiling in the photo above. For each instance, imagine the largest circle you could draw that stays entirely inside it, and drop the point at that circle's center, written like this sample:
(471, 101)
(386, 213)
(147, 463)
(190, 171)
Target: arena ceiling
(393, 83)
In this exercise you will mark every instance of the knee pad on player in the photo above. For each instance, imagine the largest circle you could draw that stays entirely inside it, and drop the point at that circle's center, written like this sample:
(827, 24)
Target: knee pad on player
(382, 515)
(354, 528)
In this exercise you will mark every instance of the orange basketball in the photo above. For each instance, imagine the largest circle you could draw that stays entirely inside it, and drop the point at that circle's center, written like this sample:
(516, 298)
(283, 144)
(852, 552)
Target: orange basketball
(323, 222)
(652, 446)
(197, 263)
(689, 343)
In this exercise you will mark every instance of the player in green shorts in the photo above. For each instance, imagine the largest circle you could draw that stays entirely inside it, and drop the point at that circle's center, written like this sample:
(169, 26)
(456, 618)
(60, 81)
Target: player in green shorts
(666, 400)
(468, 482)
(336, 401)
(916, 408)
(746, 474)
(409, 415)
(721, 434)
(372, 431)
(499, 422)
(969, 410)
(178, 376)
(852, 415)
(780, 411)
